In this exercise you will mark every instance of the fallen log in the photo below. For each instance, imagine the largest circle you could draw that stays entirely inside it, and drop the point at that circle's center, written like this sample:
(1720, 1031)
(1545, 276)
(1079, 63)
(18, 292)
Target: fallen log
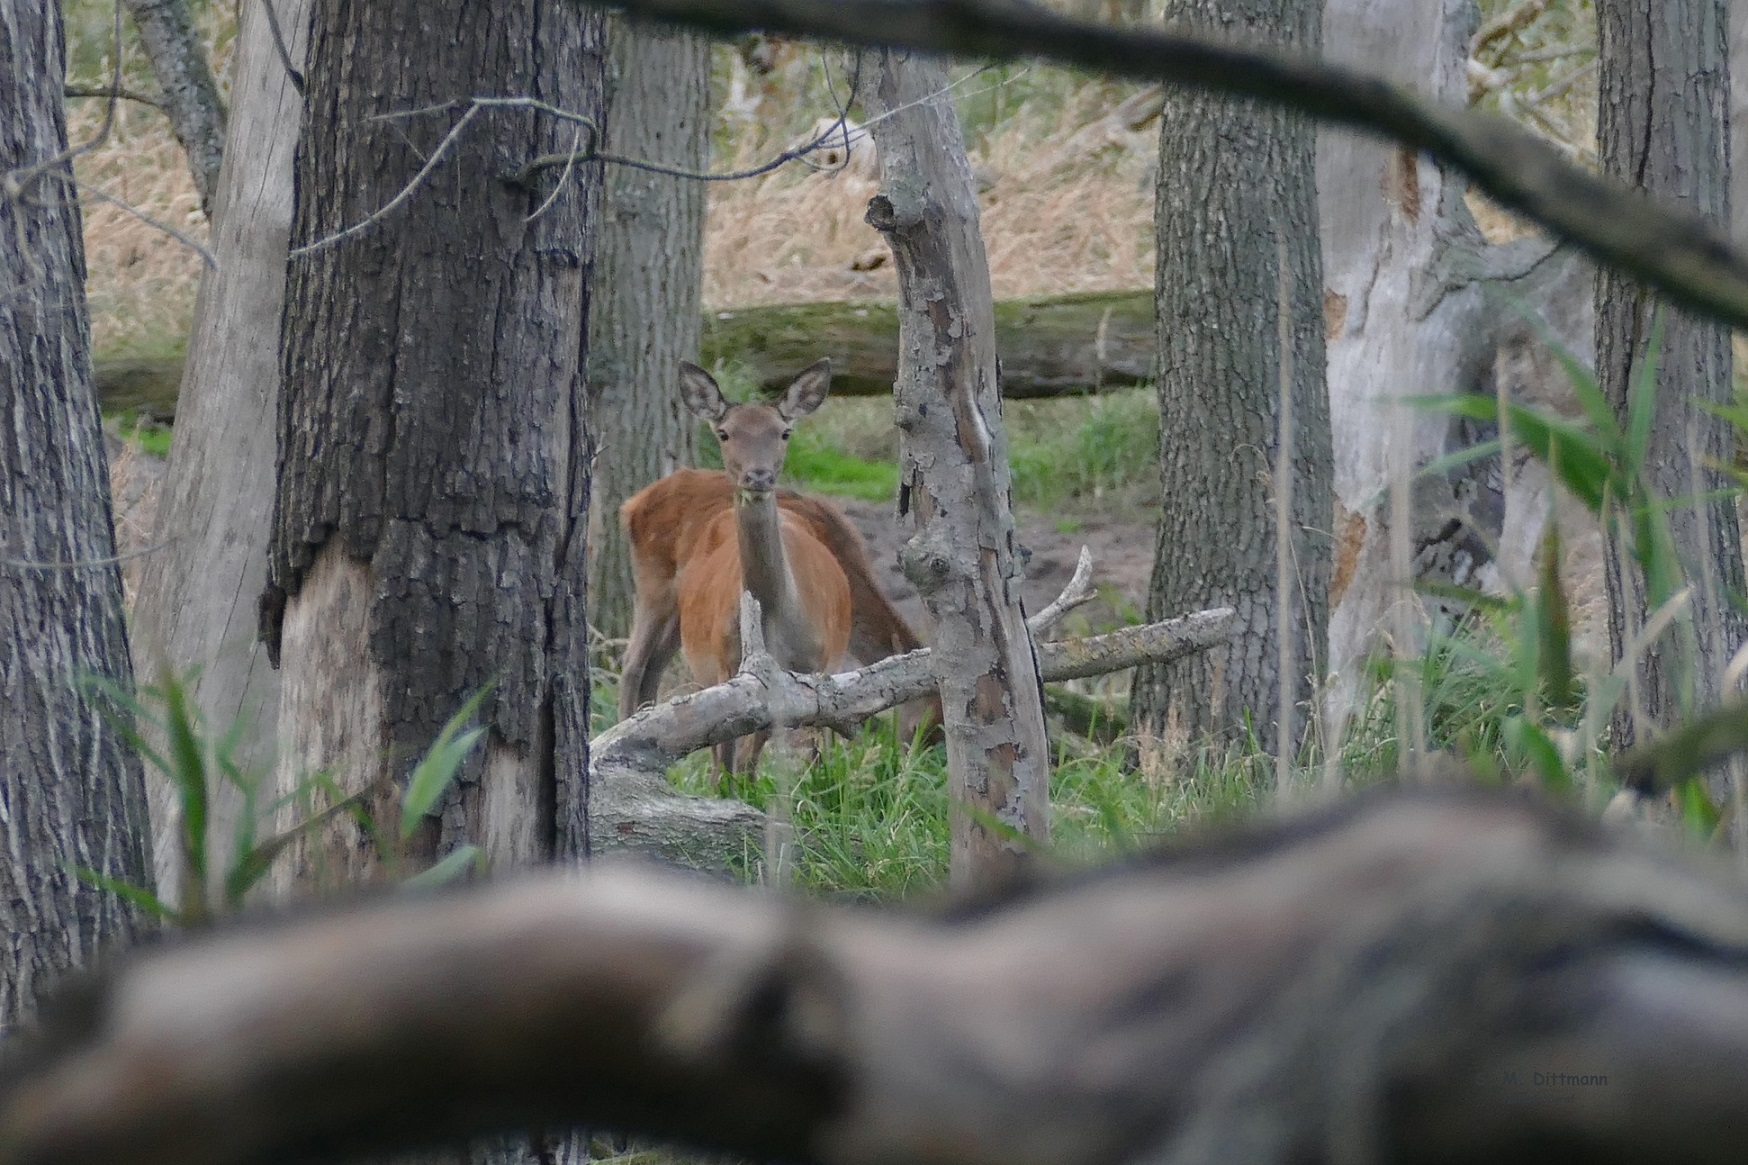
(1048, 346)
(1432, 976)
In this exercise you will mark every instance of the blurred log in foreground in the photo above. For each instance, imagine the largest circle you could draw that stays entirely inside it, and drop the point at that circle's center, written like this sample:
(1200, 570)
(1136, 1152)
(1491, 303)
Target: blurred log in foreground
(1410, 977)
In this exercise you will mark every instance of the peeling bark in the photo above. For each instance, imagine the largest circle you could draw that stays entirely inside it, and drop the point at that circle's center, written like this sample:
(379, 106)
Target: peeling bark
(429, 524)
(954, 471)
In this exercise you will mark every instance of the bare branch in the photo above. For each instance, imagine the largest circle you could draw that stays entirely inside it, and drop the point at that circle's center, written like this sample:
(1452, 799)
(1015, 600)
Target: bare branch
(1377, 982)
(1079, 590)
(1670, 248)
(657, 737)
(291, 70)
(191, 97)
(78, 91)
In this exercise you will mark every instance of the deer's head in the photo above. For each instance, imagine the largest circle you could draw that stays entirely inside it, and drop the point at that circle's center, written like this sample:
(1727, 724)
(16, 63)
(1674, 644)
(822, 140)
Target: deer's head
(754, 437)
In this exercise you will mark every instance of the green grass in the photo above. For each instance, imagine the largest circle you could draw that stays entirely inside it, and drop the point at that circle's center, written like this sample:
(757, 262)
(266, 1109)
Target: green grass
(814, 465)
(151, 438)
(1085, 449)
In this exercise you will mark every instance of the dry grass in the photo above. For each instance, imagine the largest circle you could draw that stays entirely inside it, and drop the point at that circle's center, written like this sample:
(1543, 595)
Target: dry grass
(140, 282)
(1066, 198)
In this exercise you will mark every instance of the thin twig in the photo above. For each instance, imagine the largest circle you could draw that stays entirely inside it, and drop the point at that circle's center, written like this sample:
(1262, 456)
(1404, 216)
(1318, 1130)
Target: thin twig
(87, 563)
(77, 91)
(291, 70)
(188, 241)
(21, 180)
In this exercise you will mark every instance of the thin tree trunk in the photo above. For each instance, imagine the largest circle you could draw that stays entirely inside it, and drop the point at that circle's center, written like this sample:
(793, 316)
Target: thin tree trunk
(644, 303)
(1237, 194)
(429, 524)
(196, 601)
(191, 96)
(1663, 123)
(71, 792)
(954, 473)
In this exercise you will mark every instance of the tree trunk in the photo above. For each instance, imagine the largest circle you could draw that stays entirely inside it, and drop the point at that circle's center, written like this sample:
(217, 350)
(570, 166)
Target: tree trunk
(196, 601)
(954, 473)
(1663, 123)
(71, 792)
(1228, 215)
(649, 270)
(191, 97)
(1739, 118)
(428, 532)
(1415, 302)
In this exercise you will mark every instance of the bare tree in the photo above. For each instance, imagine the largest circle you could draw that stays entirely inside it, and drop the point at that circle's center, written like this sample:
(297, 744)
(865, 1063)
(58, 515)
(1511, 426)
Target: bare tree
(954, 472)
(195, 606)
(1417, 302)
(429, 524)
(1663, 124)
(1239, 298)
(648, 278)
(71, 791)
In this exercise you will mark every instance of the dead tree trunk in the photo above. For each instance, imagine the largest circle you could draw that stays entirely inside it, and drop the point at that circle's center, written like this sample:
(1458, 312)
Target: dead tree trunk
(1663, 124)
(429, 524)
(1417, 302)
(1237, 251)
(196, 599)
(954, 472)
(1437, 977)
(71, 791)
(191, 96)
(648, 279)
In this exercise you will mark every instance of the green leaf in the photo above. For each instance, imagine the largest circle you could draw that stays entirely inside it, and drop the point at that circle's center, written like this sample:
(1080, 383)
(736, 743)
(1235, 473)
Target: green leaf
(1698, 812)
(453, 865)
(1688, 751)
(1642, 401)
(252, 865)
(1575, 457)
(128, 892)
(1558, 676)
(188, 756)
(1528, 740)
(437, 768)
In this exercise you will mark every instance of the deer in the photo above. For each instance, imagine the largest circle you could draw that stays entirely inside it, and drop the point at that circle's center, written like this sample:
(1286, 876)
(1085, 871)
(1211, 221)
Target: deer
(802, 591)
(681, 519)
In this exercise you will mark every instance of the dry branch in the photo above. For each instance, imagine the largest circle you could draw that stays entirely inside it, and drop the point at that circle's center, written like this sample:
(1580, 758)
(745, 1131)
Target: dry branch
(1436, 976)
(1669, 248)
(657, 737)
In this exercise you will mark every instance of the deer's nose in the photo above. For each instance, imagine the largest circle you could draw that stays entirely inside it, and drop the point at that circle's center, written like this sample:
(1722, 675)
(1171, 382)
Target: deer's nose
(758, 479)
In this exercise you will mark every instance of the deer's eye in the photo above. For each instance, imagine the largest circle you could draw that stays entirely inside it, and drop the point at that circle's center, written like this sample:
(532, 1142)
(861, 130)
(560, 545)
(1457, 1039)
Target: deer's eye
(785, 434)
(722, 434)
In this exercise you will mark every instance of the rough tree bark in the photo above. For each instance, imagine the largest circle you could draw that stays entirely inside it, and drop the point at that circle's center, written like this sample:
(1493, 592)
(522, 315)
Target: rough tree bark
(1417, 302)
(196, 600)
(954, 472)
(1663, 123)
(191, 96)
(1237, 197)
(645, 300)
(428, 532)
(1425, 978)
(71, 792)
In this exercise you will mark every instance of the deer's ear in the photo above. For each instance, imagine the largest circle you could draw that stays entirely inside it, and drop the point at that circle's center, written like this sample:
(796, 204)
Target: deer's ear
(807, 392)
(700, 392)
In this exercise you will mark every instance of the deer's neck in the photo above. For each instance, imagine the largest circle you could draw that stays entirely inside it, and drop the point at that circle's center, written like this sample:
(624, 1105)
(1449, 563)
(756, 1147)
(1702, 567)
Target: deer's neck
(765, 573)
